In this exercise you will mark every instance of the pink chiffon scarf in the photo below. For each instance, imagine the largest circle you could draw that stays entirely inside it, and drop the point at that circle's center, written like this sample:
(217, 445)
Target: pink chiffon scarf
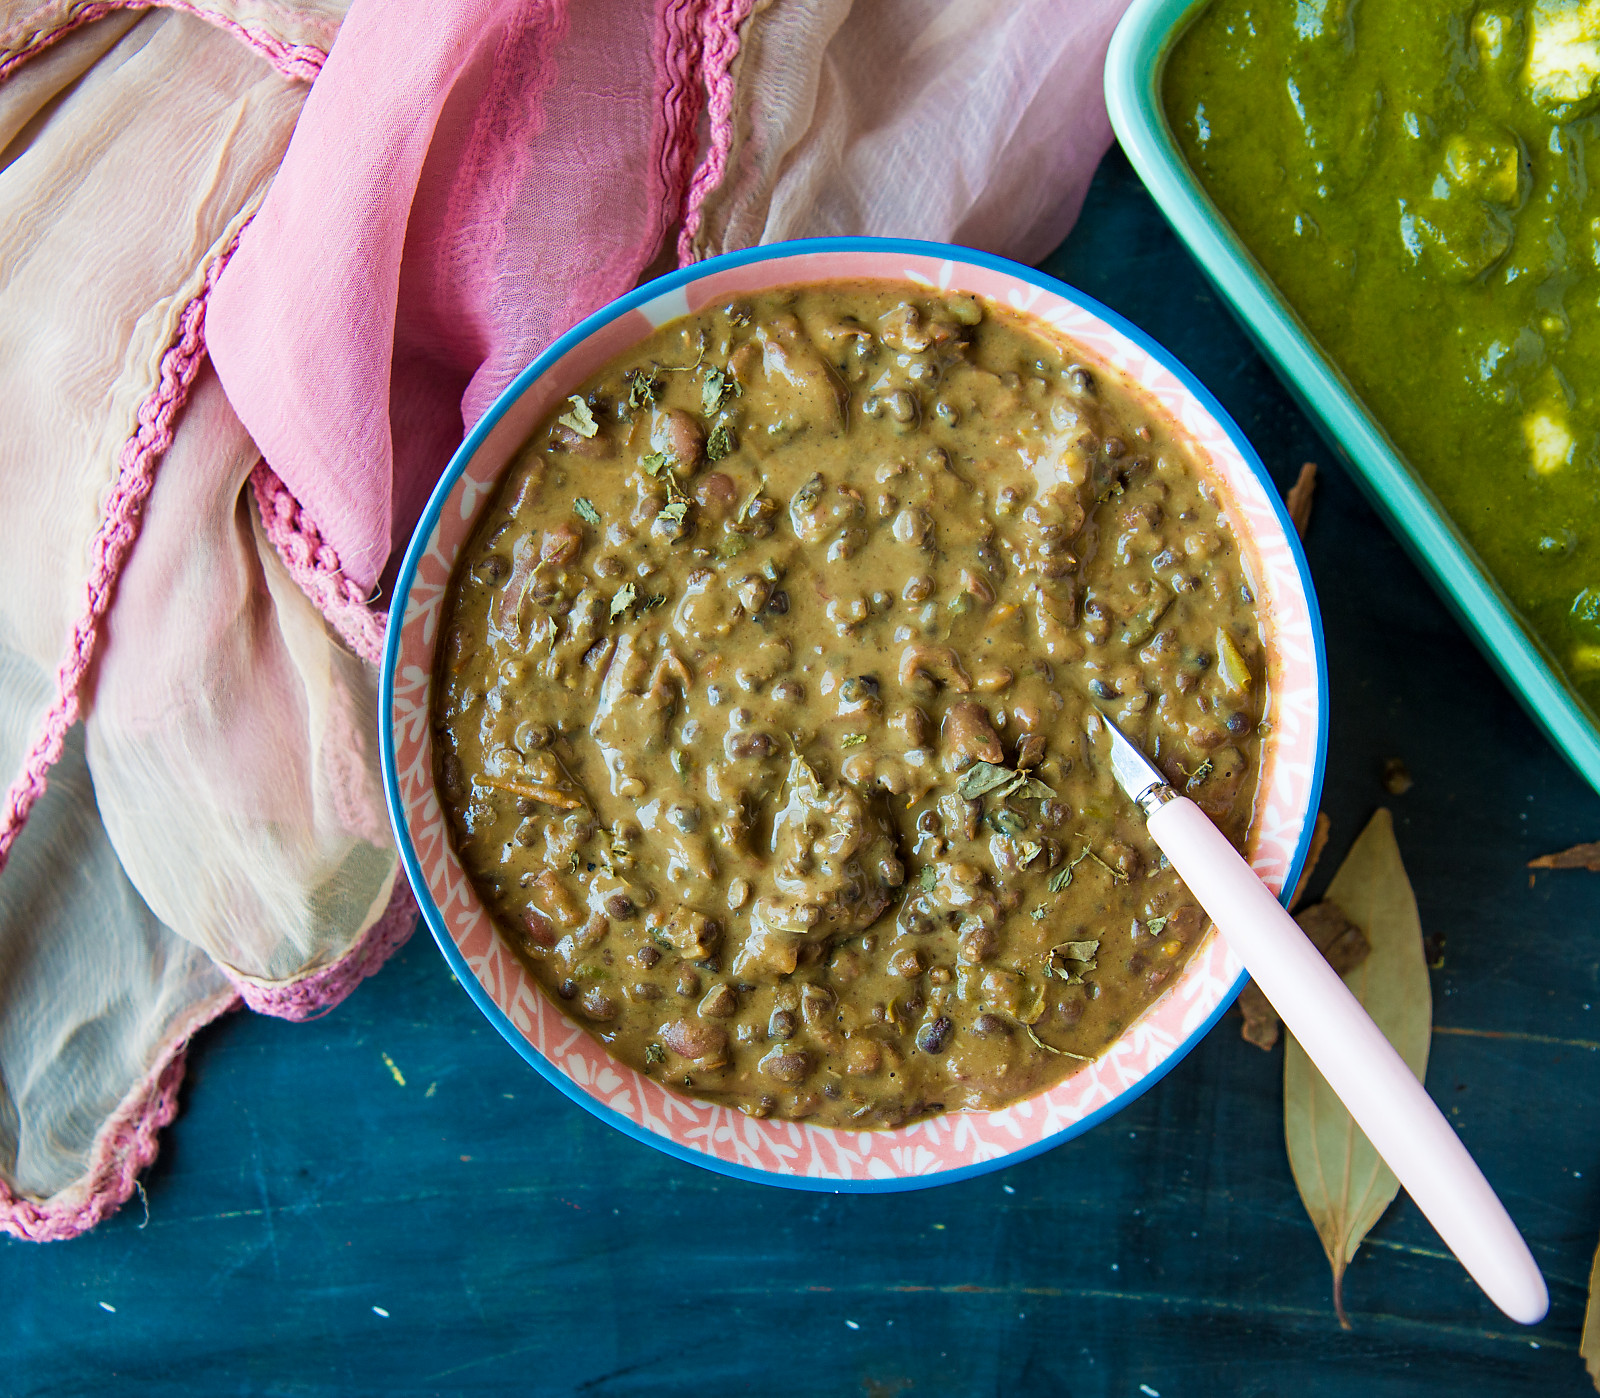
(465, 180)
(482, 192)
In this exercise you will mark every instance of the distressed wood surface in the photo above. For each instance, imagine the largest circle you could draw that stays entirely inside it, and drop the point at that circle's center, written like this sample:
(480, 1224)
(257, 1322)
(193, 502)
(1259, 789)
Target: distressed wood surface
(397, 1157)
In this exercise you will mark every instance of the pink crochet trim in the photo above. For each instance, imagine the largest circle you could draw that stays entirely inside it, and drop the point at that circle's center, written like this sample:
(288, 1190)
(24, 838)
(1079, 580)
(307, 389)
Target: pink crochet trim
(678, 47)
(720, 47)
(125, 1145)
(315, 567)
(128, 1142)
(316, 570)
(317, 993)
(297, 62)
(119, 527)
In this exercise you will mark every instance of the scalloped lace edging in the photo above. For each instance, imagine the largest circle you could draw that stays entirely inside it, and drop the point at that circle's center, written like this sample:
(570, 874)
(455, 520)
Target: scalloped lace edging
(719, 48)
(297, 62)
(315, 567)
(120, 519)
(318, 991)
(124, 1146)
(129, 1142)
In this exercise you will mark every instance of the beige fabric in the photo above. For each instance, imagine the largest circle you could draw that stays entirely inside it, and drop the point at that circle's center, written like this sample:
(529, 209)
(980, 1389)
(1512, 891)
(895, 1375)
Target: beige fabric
(972, 121)
(309, 22)
(91, 983)
(220, 810)
(222, 799)
(233, 744)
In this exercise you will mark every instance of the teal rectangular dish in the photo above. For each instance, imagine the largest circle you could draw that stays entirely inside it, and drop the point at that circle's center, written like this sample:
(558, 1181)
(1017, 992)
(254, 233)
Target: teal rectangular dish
(1135, 69)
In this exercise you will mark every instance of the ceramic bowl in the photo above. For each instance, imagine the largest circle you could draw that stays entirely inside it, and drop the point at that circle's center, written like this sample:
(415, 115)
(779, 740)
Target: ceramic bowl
(958, 1144)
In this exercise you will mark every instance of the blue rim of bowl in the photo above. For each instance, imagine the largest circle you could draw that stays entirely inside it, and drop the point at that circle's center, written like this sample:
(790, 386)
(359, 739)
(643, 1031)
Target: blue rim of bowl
(424, 530)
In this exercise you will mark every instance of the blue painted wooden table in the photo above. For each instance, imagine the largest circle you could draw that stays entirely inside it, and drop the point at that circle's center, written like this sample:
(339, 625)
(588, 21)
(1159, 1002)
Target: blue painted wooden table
(389, 1201)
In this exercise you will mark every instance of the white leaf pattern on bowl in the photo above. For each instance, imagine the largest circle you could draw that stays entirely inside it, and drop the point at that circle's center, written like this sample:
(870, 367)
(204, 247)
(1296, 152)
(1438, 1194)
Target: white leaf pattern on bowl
(960, 1140)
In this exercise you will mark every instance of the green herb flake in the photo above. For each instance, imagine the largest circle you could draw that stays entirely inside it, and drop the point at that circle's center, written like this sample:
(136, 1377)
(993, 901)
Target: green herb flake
(1051, 1048)
(852, 740)
(1117, 876)
(1008, 823)
(928, 878)
(653, 1054)
(982, 777)
(1030, 789)
(643, 386)
(1040, 913)
(731, 547)
(1201, 772)
(675, 511)
(579, 418)
(622, 600)
(650, 603)
(1155, 925)
(716, 388)
(585, 510)
(719, 444)
(1062, 878)
(1076, 951)
(655, 462)
(1070, 960)
(1027, 852)
(747, 510)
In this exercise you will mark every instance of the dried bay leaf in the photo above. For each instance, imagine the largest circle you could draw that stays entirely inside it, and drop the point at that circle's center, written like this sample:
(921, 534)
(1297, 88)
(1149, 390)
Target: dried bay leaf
(1298, 500)
(1320, 830)
(1343, 1183)
(1076, 958)
(1029, 788)
(1589, 1345)
(1578, 857)
(1261, 1023)
(1343, 945)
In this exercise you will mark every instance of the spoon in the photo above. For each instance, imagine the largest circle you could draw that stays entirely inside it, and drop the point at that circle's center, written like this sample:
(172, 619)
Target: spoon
(1349, 1050)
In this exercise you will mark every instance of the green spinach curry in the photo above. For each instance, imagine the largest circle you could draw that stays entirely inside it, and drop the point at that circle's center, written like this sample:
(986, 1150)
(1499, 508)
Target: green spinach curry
(1414, 177)
(766, 718)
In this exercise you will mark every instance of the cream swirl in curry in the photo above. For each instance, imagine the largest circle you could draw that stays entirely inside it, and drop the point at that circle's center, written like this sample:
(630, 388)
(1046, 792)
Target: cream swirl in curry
(765, 717)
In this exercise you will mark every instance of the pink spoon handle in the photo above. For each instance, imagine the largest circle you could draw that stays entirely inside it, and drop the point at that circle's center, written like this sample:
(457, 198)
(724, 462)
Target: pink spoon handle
(1362, 1067)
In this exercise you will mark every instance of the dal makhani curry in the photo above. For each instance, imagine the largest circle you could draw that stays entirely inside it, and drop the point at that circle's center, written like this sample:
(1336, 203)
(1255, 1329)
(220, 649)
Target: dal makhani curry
(766, 720)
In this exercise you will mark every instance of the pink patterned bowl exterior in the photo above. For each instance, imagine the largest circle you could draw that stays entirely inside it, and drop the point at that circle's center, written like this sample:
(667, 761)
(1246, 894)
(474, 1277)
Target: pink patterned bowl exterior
(957, 1144)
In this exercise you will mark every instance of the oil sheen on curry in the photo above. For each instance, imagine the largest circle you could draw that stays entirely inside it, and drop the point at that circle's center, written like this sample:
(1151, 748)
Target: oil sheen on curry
(766, 711)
